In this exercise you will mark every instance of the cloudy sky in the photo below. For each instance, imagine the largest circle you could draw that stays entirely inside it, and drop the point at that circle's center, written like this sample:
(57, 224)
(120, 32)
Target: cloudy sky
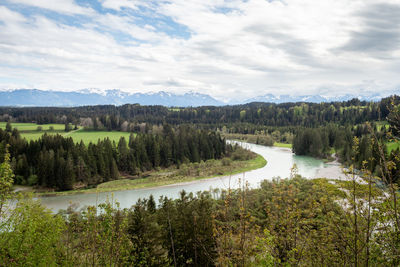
(230, 49)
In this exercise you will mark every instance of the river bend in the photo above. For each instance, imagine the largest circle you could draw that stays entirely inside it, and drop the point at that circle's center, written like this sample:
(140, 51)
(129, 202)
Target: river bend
(279, 163)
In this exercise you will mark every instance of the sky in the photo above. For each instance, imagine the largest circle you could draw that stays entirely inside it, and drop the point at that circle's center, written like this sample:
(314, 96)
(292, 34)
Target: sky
(229, 49)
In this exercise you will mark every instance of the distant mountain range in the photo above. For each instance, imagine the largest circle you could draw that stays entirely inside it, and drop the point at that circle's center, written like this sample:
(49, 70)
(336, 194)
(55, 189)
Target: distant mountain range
(314, 98)
(35, 97)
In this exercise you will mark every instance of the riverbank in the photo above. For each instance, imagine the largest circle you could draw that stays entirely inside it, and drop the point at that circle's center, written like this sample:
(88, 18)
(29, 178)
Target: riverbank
(173, 175)
(256, 139)
(280, 161)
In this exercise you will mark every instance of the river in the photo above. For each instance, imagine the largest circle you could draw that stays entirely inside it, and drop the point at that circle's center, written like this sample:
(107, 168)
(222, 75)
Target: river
(280, 161)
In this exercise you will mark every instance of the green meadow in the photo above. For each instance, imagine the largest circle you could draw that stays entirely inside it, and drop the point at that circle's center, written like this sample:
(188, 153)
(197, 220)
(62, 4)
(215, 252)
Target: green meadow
(94, 136)
(22, 127)
(30, 131)
(282, 145)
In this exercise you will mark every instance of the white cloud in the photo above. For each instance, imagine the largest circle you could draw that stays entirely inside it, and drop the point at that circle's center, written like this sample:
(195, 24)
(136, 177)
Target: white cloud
(127, 26)
(236, 49)
(118, 4)
(61, 6)
(9, 17)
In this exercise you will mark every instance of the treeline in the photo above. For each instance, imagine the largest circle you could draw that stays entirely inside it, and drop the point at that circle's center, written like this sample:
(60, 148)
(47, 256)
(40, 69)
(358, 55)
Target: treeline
(57, 162)
(353, 145)
(130, 117)
(322, 141)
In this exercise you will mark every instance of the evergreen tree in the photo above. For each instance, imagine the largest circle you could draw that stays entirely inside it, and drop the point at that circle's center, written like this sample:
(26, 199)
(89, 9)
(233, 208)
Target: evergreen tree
(123, 154)
(114, 170)
(68, 176)
(8, 127)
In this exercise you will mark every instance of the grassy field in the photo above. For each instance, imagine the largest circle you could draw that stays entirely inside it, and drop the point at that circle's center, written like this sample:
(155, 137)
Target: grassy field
(283, 145)
(186, 173)
(94, 136)
(36, 135)
(29, 131)
(23, 127)
(78, 135)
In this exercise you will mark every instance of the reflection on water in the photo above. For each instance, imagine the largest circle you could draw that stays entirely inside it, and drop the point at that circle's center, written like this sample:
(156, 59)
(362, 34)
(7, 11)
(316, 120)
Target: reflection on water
(280, 161)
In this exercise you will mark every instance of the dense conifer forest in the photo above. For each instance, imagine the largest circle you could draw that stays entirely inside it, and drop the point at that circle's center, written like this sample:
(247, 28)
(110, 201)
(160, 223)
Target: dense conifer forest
(239, 118)
(57, 162)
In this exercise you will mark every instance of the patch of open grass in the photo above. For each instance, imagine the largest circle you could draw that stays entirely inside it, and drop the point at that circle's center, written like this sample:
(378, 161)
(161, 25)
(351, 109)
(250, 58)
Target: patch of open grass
(22, 127)
(77, 136)
(283, 145)
(33, 131)
(30, 131)
(36, 135)
(94, 136)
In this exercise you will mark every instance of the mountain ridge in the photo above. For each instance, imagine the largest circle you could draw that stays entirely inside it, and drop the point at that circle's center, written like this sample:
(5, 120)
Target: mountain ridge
(93, 96)
(36, 97)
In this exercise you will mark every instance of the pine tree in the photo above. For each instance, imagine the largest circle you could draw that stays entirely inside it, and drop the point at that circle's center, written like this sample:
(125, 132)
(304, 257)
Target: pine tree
(81, 170)
(68, 174)
(122, 154)
(8, 127)
(114, 170)
(151, 204)
(132, 163)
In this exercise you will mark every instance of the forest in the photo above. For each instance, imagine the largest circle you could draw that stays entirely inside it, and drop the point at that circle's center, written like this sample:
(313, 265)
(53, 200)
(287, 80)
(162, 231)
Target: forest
(287, 221)
(238, 118)
(56, 162)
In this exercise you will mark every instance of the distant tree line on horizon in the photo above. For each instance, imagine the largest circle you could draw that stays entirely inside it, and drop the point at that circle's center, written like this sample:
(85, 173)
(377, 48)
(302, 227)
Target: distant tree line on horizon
(129, 117)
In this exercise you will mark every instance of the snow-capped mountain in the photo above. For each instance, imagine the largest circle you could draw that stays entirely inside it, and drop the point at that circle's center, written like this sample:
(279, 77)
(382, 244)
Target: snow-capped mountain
(35, 97)
(270, 98)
